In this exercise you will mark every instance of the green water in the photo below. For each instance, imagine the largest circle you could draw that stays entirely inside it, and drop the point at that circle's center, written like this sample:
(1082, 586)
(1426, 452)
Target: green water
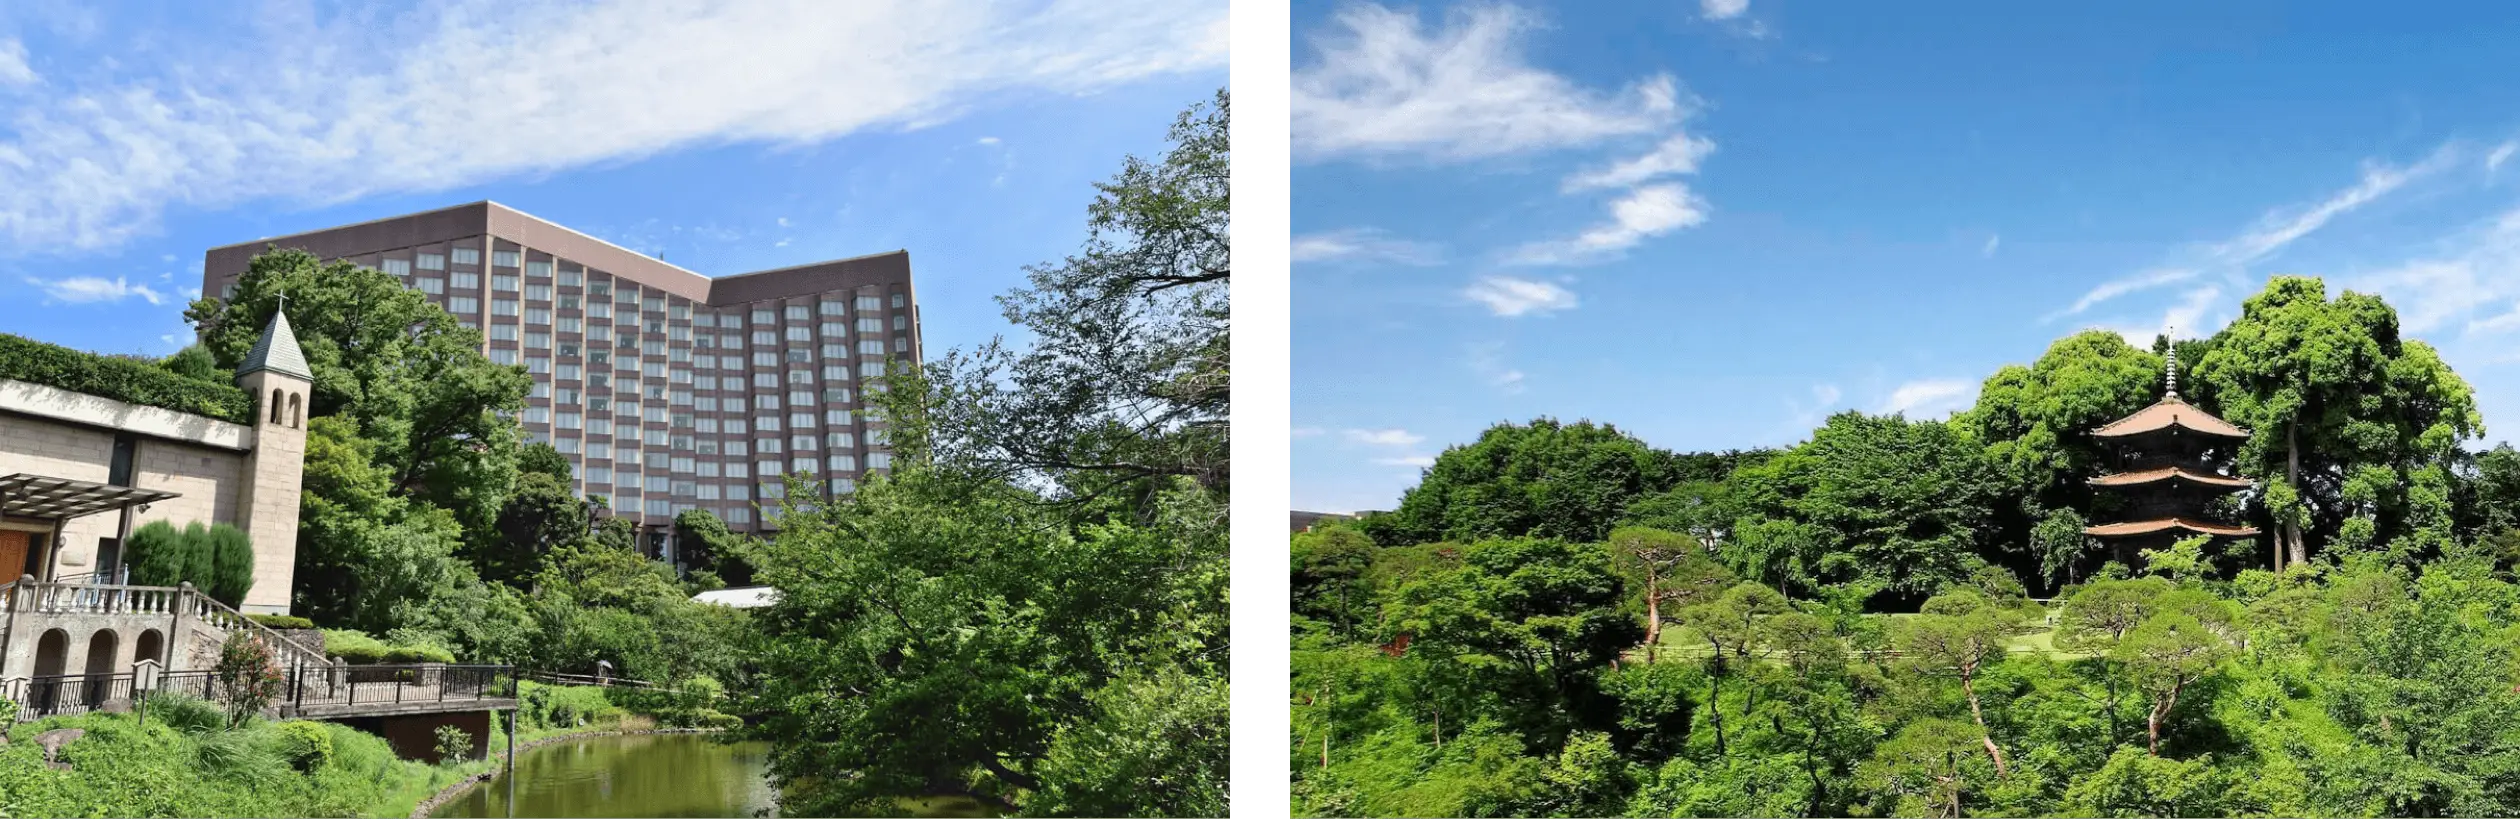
(651, 775)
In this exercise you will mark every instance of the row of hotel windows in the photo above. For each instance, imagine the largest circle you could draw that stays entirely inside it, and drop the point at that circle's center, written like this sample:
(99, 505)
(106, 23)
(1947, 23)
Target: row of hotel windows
(602, 294)
(771, 468)
(655, 459)
(737, 516)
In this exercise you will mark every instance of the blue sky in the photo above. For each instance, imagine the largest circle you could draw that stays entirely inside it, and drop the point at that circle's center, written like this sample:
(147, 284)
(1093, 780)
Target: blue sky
(1714, 222)
(729, 137)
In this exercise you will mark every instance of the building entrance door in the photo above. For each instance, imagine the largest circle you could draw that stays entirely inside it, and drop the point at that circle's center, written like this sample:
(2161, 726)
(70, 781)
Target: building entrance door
(13, 547)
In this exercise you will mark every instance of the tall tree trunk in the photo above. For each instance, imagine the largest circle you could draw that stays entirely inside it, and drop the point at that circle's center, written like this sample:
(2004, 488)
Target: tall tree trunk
(1439, 730)
(2292, 475)
(1653, 615)
(2160, 711)
(1968, 684)
(1715, 699)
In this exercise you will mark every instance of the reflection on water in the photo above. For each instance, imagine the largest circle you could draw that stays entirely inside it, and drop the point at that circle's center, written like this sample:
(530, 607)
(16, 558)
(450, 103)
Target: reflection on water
(652, 775)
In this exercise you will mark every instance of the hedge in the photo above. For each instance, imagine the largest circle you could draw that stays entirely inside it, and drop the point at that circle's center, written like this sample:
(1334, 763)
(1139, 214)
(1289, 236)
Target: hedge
(281, 621)
(134, 382)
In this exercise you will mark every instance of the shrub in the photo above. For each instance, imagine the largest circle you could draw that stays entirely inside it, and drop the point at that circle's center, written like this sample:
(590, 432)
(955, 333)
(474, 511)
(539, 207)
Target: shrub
(418, 654)
(156, 554)
(23, 359)
(306, 745)
(354, 646)
(453, 744)
(723, 722)
(248, 674)
(231, 571)
(198, 564)
(185, 713)
(281, 621)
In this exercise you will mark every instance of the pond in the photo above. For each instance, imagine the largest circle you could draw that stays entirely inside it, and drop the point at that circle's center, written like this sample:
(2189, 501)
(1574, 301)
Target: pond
(649, 775)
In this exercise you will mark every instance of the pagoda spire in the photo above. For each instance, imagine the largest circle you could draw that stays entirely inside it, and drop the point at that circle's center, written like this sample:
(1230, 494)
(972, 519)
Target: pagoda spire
(2172, 371)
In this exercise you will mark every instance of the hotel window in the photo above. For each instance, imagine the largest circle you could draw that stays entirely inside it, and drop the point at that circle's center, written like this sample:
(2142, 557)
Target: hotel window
(541, 389)
(599, 425)
(434, 287)
(682, 398)
(766, 423)
(800, 334)
(834, 329)
(835, 372)
(654, 437)
(844, 463)
(659, 507)
(838, 395)
(503, 357)
(834, 307)
(767, 446)
(837, 417)
(656, 461)
(538, 292)
(731, 341)
(431, 261)
(765, 359)
(598, 474)
(871, 347)
(681, 312)
(707, 491)
(599, 309)
(503, 258)
(569, 446)
(764, 315)
(537, 341)
(800, 356)
(706, 446)
(537, 415)
(569, 372)
(653, 304)
(705, 403)
(463, 305)
(464, 281)
(773, 491)
(800, 442)
(600, 333)
(765, 381)
(600, 290)
(737, 449)
(599, 450)
(799, 398)
(800, 376)
(571, 420)
(538, 365)
(705, 425)
(539, 270)
(769, 467)
(538, 315)
(897, 301)
(870, 325)
(682, 463)
(803, 466)
(869, 304)
(843, 486)
(798, 312)
(653, 346)
(653, 369)
(765, 337)
(738, 515)
(874, 438)
(879, 460)
(730, 321)
(572, 324)
(679, 332)
(901, 344)
(840, 440)
(872, 369)
(227, 291)
(737, 426)
(570, 395)
(467, 255)
(503, 307)
(398, 267)
(901, 322)
(505, 282)
(738, 470)
(571, 275)
(735, 404)
(627, 296)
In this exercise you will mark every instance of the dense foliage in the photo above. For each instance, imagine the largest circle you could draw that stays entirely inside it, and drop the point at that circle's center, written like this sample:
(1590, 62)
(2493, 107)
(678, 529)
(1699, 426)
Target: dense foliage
(135, 382)
(1846, 628)
(217, 559)
(185, 761)
(1030, 609)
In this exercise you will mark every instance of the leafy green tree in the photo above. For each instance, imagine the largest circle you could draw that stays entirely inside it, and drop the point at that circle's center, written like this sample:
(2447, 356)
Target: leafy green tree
(196, 362)
(1958, 635)
(1731, 624)
(1905, 502)
(1550, 610)
(156, 554)
(708, 546)
(231, 572)
(2330, 387)
(1673, 571)
(1542, 479)
(540, 515)
(1330, 576)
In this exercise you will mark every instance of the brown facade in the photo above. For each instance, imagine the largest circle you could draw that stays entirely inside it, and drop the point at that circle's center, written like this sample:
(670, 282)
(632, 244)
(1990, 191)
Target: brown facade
(668, 390)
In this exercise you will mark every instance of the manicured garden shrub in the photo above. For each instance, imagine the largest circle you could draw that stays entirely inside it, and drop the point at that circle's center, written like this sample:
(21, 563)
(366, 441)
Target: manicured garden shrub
(231, 570)
(135, 382)
(281, 621)
(418, 654)
(353, 646)
(217, 560)
(155, 554)
(453, 744)
(306, 745)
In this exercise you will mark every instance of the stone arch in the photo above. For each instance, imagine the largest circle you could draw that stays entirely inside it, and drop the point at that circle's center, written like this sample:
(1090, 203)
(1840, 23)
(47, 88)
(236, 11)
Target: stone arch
(275, 407)
(52, 653)
(150, 646)
(100, 667)
(296, 419)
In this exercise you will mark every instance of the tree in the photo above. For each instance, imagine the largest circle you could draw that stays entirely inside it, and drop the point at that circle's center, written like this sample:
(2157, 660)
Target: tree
(1330, 566)
(231, 555)
(156, 554)
(1881, 497)
(1542, 479)
(1958, 634)
(1548, 609)
(2330, 387)
(1731, 624)
(1675, 571)
(196, 362)
(1126, 378)
(2170, 650)
(708, 546)
(540, 515)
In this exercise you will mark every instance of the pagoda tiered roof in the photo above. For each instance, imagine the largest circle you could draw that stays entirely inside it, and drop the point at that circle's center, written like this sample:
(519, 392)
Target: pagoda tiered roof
(2147, 527)
(2171, 473)
(2170, 413)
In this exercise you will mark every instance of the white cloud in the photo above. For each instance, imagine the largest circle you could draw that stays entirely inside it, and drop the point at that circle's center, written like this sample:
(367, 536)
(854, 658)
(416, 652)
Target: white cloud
(1368, 245)
(1384, 86)
(1509, 296)
(988, 140)
(86, 164)
(1487, 358)
(1419, 461)
(1930, 398)
(2189, 317)
(1680, 154)
(86, 289)
(783, 221)
(1385, 437)
(1723, 9)
(2474, 270)
(1306, 432)
(2501, 152)
(1992, 242)
(1642, 214)
(2146, 280)
(13, 67)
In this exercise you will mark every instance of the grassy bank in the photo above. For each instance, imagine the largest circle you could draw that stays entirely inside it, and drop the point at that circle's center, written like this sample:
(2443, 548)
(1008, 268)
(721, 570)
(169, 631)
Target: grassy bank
(184, 761)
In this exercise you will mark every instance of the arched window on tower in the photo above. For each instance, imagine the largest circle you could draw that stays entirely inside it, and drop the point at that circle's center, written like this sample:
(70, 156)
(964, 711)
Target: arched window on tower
(275, 407)
(295, 418)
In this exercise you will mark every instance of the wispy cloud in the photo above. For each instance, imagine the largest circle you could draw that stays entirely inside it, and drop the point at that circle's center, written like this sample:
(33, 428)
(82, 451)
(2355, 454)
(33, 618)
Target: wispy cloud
(1723, 9)
(87, 289)
(1306, 432)
(1508, 296)
(1363, 245)
(1487, 359)
(1930, 398)
(13, 67)
(1992, 242)
(2192, 316)
(1384, 86)
(2501, 152)
(1677, 155)
(1643, 213)
(1419, 461)
(1385, 437)
(86, 163)
(2273, 231)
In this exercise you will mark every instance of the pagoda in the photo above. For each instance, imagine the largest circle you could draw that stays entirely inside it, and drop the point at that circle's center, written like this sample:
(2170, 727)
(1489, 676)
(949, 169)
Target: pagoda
(2172, 461)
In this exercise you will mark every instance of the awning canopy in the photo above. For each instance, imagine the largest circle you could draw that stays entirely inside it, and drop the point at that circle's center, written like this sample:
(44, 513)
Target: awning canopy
(36, 496)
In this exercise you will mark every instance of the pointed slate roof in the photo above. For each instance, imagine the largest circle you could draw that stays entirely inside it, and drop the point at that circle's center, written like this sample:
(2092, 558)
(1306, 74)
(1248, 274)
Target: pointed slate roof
(277, 351)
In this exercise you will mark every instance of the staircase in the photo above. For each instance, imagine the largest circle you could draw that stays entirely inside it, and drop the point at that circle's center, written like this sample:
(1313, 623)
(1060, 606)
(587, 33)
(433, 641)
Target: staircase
(192, 625)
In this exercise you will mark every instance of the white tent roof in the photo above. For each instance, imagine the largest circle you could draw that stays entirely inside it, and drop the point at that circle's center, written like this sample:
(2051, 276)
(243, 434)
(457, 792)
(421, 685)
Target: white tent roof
(746, 597)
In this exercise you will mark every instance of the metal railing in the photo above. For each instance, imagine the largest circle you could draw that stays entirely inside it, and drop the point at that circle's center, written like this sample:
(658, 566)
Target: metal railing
(100, 598)
(335, 689)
